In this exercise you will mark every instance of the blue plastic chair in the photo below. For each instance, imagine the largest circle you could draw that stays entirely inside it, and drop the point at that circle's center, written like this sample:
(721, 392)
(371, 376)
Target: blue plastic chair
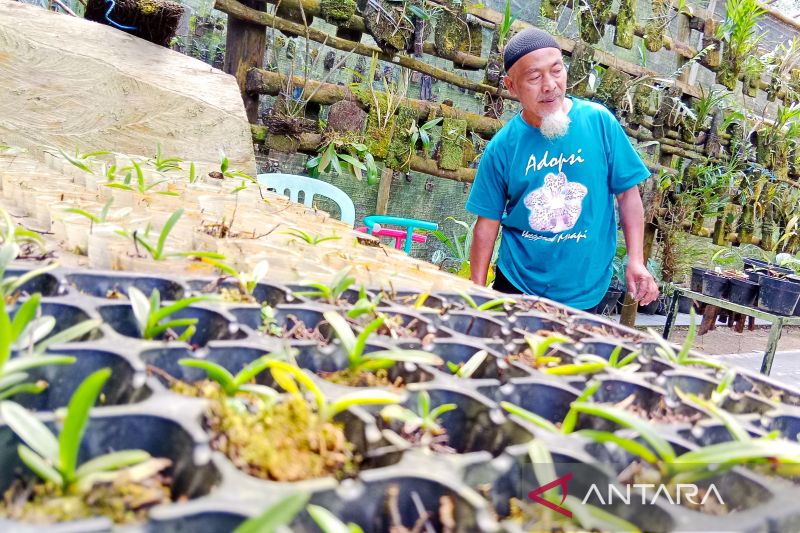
(409, 223)
(291, 185)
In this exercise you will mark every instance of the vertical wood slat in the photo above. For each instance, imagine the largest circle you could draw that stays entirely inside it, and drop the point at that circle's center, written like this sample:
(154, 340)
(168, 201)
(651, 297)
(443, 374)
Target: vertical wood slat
(384, 188)
(245, 44)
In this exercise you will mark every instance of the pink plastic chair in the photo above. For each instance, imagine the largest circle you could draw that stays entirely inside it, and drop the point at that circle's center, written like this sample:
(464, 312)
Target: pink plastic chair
(399, 236)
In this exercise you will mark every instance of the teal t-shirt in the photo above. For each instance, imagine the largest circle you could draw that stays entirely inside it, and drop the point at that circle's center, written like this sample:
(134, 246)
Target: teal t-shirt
(555, 201)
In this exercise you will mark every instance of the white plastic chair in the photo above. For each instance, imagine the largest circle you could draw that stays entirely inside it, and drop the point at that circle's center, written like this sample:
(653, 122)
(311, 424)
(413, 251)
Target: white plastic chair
(291, 185)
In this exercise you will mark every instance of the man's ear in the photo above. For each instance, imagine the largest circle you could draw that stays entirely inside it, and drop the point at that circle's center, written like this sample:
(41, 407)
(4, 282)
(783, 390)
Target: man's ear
(509, 83)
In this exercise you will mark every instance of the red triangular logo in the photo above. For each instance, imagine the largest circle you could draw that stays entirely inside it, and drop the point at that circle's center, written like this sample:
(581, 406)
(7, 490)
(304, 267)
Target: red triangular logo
(560, 482)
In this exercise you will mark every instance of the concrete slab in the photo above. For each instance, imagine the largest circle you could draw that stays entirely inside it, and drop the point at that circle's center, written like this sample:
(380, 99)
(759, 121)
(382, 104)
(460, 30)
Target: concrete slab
(785, 366)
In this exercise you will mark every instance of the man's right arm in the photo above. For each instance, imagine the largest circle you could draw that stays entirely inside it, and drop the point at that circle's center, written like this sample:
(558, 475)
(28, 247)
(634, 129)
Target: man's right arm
(483, 238)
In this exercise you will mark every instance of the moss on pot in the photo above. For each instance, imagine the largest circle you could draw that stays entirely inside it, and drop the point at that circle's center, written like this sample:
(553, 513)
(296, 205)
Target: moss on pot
(612, 88)
(336, 10)
(379, 134)
(123, 500)
(552, 8)
(454, 133)
(282, 143)
(579, 67)
(626, 24)
(453, 34)
(399, 154)
(285, 441)
(593, 20)
(654, 30)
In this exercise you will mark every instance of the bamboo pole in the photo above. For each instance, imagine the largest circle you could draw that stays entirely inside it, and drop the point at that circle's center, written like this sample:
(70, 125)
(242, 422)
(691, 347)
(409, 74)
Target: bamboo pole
(234, 8)
(266, 82)
(356, 23)
(309, 143)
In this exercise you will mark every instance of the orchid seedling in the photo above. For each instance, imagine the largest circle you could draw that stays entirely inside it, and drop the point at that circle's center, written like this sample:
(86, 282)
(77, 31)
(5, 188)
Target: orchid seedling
(472, 364)
(333, 291)
(666, 350)
(55, 460)
(358, 361)
(425, 419)
(153, 320)
(491, 305)
(290, 377)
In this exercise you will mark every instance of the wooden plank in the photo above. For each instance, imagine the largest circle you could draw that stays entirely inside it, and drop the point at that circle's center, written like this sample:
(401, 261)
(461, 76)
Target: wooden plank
(384, 189)
(71, 83)
(244, 48)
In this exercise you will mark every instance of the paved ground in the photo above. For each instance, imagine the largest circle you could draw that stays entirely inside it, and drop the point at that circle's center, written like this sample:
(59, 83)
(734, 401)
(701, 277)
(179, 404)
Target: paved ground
(740, 349)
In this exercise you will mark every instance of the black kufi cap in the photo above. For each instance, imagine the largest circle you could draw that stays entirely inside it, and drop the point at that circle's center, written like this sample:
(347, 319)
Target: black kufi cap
(525, 42)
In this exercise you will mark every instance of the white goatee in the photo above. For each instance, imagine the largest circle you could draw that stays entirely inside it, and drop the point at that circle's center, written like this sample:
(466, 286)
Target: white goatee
(555, 125)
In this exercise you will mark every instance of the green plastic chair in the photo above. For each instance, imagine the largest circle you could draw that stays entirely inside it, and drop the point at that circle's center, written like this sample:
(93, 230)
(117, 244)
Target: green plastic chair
(292, 185)
(409, 223)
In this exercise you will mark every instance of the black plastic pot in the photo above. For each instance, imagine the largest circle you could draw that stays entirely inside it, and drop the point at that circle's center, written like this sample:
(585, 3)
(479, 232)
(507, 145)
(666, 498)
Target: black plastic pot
(787, 424)
(286, 317)
(349, 296)
(743, 292)
(765, 387)
(46, 283)
(651, 308)
(67, 316)
(416, 324)
(231, 355)
(704, 386)
(455, 302)
(755, 275)
(474, 325)
(160, 436)
(125, 385)
(778, 296)
(685, 304)
(753, 264)
(716, 285)
(604, 347)
(104, 285)
(513, 476)
(361, 502)
(536, 322)
(548, 400)
(595, 326)
(264, 293)
(708, 432)
(608, 305)
(460, 350)
(696, 281)
(647, 398)
(471, 427)
(211, 325)
(409, 299)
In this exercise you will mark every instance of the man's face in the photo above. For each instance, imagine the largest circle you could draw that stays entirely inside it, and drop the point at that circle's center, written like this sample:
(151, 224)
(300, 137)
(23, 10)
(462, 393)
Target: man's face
(539, 80)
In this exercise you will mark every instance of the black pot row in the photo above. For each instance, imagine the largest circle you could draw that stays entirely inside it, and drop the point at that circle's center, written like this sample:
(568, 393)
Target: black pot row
(778, 295)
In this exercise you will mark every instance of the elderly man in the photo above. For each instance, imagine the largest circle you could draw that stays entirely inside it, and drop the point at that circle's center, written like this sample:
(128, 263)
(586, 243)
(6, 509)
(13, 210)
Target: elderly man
(549, 177)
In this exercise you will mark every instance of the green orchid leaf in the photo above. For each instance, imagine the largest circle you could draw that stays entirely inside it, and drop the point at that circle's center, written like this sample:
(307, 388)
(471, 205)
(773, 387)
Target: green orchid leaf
(217, 372)
(30, 430)
(279, 514)
(80, 404)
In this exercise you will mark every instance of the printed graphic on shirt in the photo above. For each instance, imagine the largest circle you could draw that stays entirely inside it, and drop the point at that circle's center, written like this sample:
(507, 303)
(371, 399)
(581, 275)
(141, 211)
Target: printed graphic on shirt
(556, 205)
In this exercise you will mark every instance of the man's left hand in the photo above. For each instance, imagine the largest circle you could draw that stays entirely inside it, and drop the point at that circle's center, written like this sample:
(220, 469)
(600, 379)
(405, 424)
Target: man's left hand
(641, 285)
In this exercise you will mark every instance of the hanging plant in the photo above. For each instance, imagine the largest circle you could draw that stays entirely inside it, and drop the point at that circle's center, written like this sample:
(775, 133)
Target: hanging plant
(739, 32)
(654, 30)
(593, 17)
